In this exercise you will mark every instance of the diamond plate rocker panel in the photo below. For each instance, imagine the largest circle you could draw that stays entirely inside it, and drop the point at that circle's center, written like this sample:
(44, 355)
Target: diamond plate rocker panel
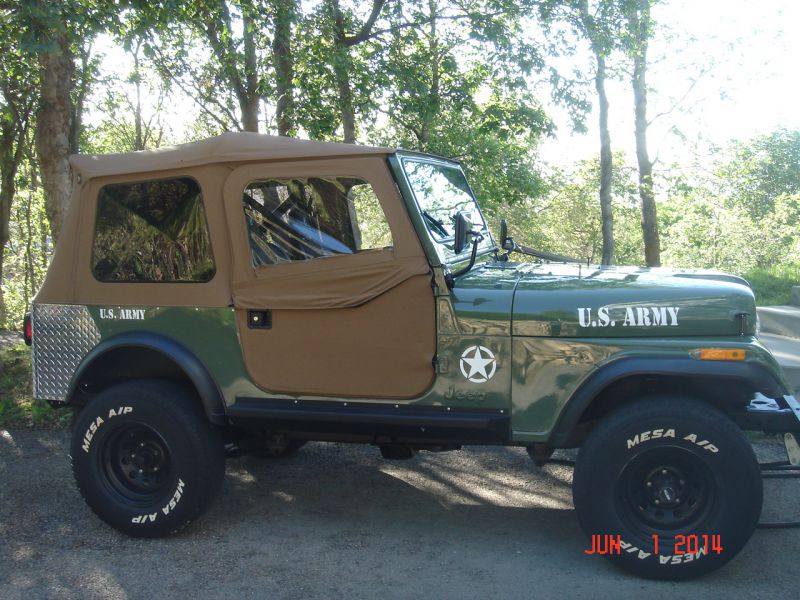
(63, 334)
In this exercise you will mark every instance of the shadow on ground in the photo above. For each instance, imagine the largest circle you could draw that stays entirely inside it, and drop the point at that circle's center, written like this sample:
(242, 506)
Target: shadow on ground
(336, 521)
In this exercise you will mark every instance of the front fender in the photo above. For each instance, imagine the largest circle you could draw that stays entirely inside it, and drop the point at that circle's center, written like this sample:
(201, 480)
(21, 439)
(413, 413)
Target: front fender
(753, 376)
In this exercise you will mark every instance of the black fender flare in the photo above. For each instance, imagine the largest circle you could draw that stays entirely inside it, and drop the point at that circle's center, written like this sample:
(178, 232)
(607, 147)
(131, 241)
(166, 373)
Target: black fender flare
(207, 389)
(753, 375)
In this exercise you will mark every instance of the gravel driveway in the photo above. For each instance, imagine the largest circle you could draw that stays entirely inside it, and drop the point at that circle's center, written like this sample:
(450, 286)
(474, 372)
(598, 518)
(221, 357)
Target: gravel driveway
(336, 521)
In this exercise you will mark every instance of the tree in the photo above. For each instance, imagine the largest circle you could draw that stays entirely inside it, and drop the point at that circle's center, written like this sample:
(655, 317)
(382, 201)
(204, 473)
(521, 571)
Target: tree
(567, 219)
(17, 101)
(342, 61)
(455, 84)
(212, 50)
(54, 33)
(56, 113)
(599, 28)
(639, 34)
(761, 170)
(284, 16)
(128, 123)
(741, 213)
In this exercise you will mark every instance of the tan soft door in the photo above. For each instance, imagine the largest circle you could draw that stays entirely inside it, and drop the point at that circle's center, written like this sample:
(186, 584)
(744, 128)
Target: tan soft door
(343, 322)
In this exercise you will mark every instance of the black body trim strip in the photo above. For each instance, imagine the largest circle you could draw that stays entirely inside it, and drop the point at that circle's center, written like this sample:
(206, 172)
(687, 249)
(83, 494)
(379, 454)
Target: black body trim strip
(400, 422)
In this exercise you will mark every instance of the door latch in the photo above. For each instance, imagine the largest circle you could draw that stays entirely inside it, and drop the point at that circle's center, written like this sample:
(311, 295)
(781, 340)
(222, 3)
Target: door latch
(259, 319)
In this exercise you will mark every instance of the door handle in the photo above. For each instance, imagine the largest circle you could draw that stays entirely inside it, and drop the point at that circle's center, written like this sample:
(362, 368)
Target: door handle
(259, 319)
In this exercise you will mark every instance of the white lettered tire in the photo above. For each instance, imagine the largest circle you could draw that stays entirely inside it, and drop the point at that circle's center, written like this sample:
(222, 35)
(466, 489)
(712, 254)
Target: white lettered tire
(145, 458)
(674, 468)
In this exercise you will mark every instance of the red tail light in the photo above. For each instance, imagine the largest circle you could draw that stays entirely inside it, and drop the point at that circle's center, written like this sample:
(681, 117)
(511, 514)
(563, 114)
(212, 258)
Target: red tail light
(27, 329)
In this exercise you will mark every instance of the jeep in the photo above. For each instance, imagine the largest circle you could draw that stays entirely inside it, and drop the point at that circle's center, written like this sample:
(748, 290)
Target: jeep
(249, 293)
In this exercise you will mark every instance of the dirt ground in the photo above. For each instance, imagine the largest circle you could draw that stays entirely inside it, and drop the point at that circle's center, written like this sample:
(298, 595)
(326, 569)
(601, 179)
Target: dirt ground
(337, 521)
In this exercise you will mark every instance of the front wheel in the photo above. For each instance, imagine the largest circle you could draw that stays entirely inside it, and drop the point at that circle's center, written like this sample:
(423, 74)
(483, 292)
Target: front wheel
(667, 488)
(145, 458)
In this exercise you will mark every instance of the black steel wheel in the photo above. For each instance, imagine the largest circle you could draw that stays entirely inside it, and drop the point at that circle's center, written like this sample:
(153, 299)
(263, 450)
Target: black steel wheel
(136, 462)
(673, 483)
(145, 458)
(665, 490)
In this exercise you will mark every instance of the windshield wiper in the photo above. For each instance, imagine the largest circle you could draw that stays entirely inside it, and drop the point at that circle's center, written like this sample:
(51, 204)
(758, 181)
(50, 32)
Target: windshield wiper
(437, 224)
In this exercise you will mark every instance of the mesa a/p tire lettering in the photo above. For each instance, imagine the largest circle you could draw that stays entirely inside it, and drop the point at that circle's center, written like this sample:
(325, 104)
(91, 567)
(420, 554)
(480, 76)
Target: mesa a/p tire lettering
(669, 432)
(684, 471)
(152, 463)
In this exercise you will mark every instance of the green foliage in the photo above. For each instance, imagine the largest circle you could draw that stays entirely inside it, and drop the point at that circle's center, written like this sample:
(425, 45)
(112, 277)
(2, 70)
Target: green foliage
(17, 409)
(761, 170)
(773, 285)
(742, 216)
(703, 231)
(566, 220)
(28, 250)
(455, 86)
(128, 125)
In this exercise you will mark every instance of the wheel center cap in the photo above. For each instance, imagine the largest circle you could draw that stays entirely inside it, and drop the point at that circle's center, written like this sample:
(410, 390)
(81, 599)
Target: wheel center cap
(666, 494)
(143, 459)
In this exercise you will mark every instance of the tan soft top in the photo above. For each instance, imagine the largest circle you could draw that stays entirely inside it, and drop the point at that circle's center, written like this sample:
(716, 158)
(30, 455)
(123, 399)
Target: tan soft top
(229, 147)
(223, 166)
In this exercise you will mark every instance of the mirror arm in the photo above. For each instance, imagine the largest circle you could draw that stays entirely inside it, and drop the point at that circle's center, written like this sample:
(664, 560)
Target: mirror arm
(548, 256)
(508, 244)
(450, 278)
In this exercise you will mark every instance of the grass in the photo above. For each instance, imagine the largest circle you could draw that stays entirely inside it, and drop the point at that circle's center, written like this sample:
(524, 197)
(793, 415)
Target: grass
(773, 286)
(17, 408)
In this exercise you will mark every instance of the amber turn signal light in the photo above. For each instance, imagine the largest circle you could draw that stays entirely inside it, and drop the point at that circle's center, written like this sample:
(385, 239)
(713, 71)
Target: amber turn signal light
(722, 354)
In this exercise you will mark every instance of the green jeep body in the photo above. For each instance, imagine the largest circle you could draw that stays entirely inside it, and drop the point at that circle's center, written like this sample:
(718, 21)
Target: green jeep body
(530, 354)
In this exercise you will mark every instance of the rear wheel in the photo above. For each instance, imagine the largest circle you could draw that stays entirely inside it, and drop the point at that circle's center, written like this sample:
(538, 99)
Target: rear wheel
(671, 480)
(145, 458)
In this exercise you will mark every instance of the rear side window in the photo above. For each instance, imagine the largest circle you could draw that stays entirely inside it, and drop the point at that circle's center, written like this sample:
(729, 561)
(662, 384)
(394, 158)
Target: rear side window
(308, 218)
(152, 231)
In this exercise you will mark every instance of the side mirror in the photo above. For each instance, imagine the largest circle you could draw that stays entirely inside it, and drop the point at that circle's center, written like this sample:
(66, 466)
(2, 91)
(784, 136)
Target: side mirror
(506, 243)
(463, 231)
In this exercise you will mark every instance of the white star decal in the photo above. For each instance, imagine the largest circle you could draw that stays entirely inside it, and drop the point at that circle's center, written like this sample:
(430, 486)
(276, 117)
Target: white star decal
(478, 364)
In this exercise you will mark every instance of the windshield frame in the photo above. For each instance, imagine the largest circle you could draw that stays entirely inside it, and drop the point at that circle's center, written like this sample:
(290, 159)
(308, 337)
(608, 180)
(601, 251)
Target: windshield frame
(443, 246)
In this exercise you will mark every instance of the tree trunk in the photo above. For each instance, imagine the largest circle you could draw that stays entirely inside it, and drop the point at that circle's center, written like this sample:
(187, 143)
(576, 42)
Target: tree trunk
(606, 164)
(341, 67)
(7, 171)
(249, 101)
(13, 139)
(599, 46)
(640, 23)
(343, 64)
(82, 89)
(220, 35)
(283, 62)
(138, 140)
(53, 130)
(432, 108)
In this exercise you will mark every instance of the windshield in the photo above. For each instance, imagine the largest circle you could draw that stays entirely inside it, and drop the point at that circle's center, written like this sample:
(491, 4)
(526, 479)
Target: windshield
(441, 191)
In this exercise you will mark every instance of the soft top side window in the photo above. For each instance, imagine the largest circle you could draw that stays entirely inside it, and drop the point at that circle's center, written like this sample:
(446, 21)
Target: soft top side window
(306, 218)
(152, 231)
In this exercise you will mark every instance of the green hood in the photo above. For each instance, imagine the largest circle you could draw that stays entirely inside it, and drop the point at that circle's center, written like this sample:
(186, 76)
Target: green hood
(556, 300)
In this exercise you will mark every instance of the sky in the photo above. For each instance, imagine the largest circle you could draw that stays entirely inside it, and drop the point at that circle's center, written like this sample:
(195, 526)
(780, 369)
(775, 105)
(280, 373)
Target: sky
(742, 55)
